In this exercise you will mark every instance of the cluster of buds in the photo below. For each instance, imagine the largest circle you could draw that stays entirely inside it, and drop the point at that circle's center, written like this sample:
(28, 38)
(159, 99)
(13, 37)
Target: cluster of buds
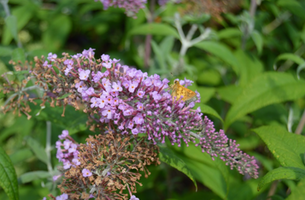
(119, 100)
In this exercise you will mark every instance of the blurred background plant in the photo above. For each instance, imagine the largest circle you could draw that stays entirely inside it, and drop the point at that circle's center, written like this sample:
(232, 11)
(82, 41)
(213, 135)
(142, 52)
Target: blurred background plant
(246, 59)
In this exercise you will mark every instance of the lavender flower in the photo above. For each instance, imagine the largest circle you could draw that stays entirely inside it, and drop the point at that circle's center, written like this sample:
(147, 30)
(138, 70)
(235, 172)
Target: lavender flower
(130, 102)
(131, 6)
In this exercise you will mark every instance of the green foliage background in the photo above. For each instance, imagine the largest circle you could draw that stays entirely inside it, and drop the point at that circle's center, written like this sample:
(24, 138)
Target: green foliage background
(248, 72)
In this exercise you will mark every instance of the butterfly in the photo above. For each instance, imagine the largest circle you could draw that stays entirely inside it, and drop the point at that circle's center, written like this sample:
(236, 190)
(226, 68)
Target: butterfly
(178, 91)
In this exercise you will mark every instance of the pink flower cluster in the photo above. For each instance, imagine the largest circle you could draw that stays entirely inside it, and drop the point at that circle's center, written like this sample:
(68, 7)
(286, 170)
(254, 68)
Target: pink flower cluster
(67, 150)
(132, 100)
(129, 101)
(131, 6)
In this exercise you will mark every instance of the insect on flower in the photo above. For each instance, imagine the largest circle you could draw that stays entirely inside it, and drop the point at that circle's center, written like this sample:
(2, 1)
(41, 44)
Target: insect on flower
(178, 91)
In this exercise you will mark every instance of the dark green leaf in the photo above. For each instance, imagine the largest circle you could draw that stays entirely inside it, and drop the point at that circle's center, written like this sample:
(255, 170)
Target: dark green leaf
(258, 40)
(167, 156)
(288, 148)
(298, 193)
(291, 173)
(8, 176)
(205, 109)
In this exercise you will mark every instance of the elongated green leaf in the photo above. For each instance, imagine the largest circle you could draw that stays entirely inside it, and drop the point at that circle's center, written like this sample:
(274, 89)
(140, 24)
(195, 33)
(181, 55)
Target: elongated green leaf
(298, 193)
(8, 176)
(229, 33)
(22, 14)
(206, 93)
(204, 168)
(167, 156)
(221, 51)
(18, 55)
(252, 67)
(56, 34)
(205, 109)
(160, 56)
(5, 51)
(154, 29)
(287, 148)
(64, 96)
(258, 40)
(292, 57)
(31, 176)
(37, 149)
(293, 6)
(11, 23)
(300, 68)
(229, 93)
(265, 89)
(291, 173)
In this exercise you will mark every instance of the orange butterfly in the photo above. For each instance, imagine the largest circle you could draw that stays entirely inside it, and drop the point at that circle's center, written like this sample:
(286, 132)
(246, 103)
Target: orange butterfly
(178, 91)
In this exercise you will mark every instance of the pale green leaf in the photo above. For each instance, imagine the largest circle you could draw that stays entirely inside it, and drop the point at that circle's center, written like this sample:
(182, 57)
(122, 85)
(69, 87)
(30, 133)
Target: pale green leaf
(265, 89)
(18, 55)
(38, 150)
(154, 29)
(220, 51)
(31, 176)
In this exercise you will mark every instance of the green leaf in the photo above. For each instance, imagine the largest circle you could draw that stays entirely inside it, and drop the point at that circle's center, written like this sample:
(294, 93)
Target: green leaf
(11, 23)
(293, 6)
(258, 40)
(206, 93)
(167, 156)
(154, 29)
(23, 14)
(287, 148)
(5, 51)
(204, 168)
(38, 150)
(159, 55)
(1, 94)
(265, 89)
(221, 51)
(298, 193)
(291, 173)
(205, 109)
(229, 92)
(252, 66)
(229, 33)
(64, 96)
(21, 155)
(8, 176)
(299, 69)
(292, 57)
(31, 176)
(18, 55)
(56, 34)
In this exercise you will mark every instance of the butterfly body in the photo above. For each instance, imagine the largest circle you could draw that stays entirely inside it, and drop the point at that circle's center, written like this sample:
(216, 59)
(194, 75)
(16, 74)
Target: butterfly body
(178, 91)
